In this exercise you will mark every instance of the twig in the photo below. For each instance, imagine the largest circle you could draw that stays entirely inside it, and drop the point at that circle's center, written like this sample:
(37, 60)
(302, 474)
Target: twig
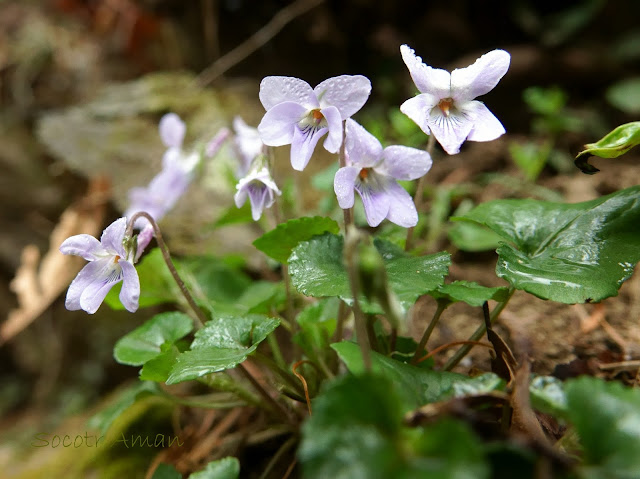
(255, 41)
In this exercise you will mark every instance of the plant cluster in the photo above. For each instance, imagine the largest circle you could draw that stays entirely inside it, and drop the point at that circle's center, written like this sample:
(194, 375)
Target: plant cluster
(337, 380)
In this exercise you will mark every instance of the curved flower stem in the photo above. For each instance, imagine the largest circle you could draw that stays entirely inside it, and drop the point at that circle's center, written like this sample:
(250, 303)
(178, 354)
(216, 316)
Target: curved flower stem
(417, 198)
(442, 305)
(477, 334)
(201, 318)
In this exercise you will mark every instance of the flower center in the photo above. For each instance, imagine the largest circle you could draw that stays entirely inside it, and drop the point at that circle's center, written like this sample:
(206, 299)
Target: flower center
(445, 105)
(317, 116)
(364, 173)
(116, 258)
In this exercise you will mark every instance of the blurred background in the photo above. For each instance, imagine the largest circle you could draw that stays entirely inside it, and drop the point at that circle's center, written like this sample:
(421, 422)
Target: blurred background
(83, 84)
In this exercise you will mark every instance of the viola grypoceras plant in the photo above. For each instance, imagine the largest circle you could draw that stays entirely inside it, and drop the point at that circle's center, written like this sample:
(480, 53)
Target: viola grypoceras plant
(372, 171)
(300, 115)
(256, 182)
(446, 106)
(111, 260)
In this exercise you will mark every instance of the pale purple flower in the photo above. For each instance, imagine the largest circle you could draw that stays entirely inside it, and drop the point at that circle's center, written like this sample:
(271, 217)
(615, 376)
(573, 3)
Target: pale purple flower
(110, 261)
(446, 107)
(300, 115)
(248, 144)
(258, 186)
(372, 171)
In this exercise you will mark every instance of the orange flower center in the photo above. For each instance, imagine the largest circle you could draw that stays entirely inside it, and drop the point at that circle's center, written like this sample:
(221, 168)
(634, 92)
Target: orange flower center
(445, 104)
(317, 116)
(364, 173)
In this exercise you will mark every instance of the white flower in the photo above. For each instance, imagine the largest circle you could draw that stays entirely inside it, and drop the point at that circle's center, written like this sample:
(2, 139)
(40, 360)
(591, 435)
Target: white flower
(446, 107)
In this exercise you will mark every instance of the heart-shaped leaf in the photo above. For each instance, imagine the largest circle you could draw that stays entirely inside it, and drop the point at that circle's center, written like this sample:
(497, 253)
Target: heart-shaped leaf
(570, 253)
(470, 292)
(145, 342)
(222, 343)
(279, 242)
(316, 269)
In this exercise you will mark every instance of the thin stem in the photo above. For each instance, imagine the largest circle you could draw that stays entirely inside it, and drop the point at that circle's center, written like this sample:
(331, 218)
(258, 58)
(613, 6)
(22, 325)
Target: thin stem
(478, 333)
(343, 311)
(275, 405)
(442, 305)
(417, 198)
(277, 456)
(351, 244)
(276, 351)
(283, 373)
(211, 401)
(201, 318)
(342, 159)
(285, 275)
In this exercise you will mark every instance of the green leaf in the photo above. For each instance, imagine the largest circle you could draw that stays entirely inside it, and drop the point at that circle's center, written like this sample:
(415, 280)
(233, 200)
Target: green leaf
(570, 253)
(317, 270)
(159, 368)
(625, 95)
(166, 471)
(548, 395)
(222, 343)
(612, 145)
(103, 419)
(607, 419)
(530, 157)
(227, 468)
(356, 431)
(417, 386)
(145, 342)
(482, 384)
(317, 325)
(279, 242)
(470, 292)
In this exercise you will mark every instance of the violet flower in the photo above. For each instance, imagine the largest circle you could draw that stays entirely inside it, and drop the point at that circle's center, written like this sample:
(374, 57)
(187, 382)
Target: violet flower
(248, 144)
(110, 262)
(372, 171)
(258, 186)
(446, 107)
(300, 116)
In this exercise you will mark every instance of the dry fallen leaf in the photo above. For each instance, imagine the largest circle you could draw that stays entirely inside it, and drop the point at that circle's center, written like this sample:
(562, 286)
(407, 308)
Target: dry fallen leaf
(38, 283)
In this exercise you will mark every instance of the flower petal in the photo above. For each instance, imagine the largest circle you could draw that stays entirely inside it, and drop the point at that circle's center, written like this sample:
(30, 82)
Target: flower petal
(343, 185)
(363, 149)
(303, 144)
(278, 89)
(486, 126)
(404, 163)
(419, 109)
(94, 294)
(112, 237)
(348, 93)
(258, 193)
(481, 77)
(85, 277)
(374, 198)
(402, 210)
(334, 121)
(130, 292)
(278, 124)
(450, 130)
(83, 245)
(172, 130)
(434, 81)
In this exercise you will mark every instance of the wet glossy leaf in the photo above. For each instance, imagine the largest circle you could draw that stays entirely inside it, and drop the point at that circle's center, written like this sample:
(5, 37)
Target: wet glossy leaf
(145, 342)
(361, 417)
(470, 292)
(417, 386)
(279, 242)
(607, 419)
(159, 368)
(316, 269)
(227, 468)
(570, 253)
(317, 325)
(612, 145)
(222, 343)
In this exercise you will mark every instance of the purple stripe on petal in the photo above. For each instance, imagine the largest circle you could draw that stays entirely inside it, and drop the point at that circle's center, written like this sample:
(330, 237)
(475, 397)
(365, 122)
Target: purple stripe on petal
(374, 198)
(303, 144)
(450, 130)
(258, 193)
(94, 294)
(130, 292)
